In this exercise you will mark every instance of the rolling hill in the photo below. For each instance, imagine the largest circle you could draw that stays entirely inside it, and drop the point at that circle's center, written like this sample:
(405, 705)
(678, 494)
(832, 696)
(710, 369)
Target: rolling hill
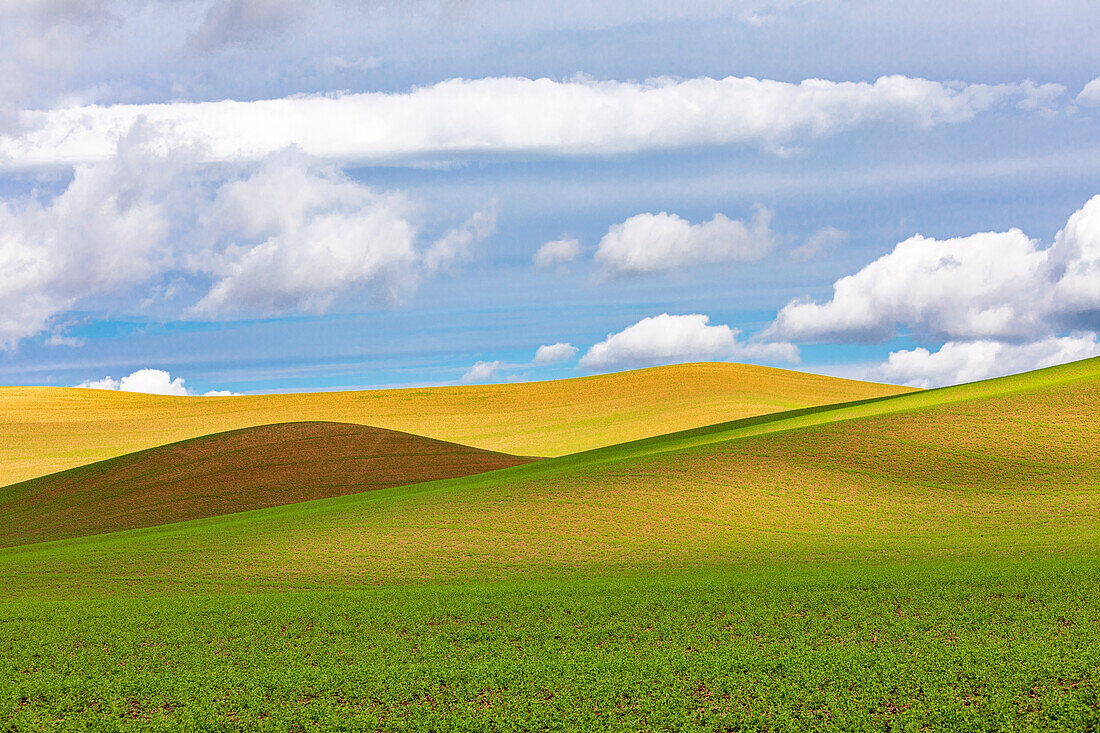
(243, 469)
(47, 429)
(919, 562)
(1006, 463)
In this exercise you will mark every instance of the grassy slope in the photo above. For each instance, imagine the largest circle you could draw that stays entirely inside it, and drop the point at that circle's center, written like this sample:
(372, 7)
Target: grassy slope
(47, 429)
(945, 646)
(1008, 463)
(229, 472)
(931, 566)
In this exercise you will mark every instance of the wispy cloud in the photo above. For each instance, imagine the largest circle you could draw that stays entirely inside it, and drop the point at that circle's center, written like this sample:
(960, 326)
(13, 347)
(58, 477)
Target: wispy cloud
(818, 244)
(557, 252)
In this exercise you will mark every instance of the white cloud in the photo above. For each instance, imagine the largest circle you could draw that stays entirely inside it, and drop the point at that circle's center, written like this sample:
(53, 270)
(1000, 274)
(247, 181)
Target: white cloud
(286, 235)
(652, 242)
(481, 371)
(105, 383)
(968, 361)
(1000, 286)
(455, 246)
(148, 381)
(108, 231)
(294, 236)
(152, 381)
(819, 243)
(1090, 95)
(557, 252)
(667, 339)
(554, 353)
(513, 115)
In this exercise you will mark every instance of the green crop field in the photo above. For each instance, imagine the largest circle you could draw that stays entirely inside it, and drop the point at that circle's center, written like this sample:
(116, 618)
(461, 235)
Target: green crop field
(925, 561)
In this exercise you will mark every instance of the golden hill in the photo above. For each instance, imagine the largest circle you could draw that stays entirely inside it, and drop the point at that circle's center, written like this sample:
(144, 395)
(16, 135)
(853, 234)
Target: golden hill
(49, 429)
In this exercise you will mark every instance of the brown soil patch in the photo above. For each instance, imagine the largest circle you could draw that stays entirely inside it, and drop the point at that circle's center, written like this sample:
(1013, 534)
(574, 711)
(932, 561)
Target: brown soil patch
(230, 472)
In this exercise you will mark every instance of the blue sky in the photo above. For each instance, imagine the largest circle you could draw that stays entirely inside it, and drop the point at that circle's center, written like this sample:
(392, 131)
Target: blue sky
(899, 193)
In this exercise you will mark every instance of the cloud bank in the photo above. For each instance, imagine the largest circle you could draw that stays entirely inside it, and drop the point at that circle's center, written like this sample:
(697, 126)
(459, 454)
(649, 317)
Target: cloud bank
(516, 116)
(1000, 285)
(1000, 301)
(968, 361)
(294, 236)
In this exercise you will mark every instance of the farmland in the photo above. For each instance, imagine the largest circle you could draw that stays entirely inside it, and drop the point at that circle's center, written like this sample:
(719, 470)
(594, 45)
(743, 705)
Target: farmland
(918, 561)
(230, 472)
(43, 430)
(960, 645)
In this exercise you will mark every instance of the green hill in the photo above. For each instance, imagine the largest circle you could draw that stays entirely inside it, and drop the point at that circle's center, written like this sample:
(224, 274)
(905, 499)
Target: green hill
(920, 562)
(1002, 463)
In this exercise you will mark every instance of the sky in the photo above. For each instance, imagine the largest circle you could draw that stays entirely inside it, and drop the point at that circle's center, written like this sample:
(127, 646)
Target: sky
(246, 196)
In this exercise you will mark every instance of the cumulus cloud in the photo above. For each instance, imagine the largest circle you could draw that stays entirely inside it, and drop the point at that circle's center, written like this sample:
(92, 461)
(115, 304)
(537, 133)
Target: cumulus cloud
(295, 236)
(289, 234)
(819, 243)
(652, 242)
(152, 381)
(668, 339)
(1090, 95)
(513, 115)
(148, 381)
(557, 252)
(107, 231)
(482, 371)
(105, 383)
(994, 285)
(554, 353)
(968, 361)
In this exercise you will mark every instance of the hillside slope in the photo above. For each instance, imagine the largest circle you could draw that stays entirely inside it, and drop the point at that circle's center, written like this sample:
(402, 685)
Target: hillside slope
(48, 429)
(229, 472)
(999, 466)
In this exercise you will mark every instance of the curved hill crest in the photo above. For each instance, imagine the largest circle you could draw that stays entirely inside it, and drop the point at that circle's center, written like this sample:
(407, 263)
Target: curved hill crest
(49, 429)
(233, 471)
